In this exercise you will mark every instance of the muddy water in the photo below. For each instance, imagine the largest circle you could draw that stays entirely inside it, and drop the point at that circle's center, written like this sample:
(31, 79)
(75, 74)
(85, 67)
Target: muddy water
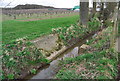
(49, 71)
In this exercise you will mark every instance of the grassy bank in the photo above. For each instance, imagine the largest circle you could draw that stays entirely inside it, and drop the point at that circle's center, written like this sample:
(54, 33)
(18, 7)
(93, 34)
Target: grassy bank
(70, 35)
(20, 58)
(32, 29)
(97, 62)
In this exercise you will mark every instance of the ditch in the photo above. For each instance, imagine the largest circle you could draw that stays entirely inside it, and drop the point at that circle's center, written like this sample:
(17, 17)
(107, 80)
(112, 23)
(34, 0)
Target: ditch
(49, 71)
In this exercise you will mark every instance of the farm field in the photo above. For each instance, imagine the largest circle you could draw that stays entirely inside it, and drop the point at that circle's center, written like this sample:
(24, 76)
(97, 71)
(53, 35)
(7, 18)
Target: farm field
(34, 17)
(35, 14)
(13, 29)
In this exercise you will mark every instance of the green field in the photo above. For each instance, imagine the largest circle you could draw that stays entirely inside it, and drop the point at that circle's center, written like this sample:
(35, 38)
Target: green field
(17, 29)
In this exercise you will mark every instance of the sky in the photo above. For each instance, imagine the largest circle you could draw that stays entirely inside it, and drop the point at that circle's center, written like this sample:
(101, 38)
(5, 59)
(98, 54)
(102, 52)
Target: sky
(54, 3)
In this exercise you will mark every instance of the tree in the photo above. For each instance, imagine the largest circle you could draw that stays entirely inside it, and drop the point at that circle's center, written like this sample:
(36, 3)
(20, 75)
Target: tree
(118, 39)
(84, 9)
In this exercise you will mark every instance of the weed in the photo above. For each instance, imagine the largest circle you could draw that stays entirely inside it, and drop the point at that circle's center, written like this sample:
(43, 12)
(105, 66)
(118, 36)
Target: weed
(74, 32)
(33, 71)
(20, 55)
(10, 76)
(99, 64)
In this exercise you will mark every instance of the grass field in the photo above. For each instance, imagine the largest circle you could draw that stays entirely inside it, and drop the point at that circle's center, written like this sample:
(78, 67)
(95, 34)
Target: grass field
(17, 29)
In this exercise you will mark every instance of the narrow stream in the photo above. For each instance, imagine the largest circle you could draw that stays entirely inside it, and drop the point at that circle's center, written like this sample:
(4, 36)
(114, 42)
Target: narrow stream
(49, 71)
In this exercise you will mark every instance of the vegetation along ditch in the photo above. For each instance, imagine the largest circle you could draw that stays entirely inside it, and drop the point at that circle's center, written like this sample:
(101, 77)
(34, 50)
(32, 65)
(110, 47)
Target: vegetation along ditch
(29, 59)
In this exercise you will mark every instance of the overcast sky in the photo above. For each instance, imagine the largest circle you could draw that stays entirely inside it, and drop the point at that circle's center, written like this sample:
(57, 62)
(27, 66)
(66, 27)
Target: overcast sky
(54, 3)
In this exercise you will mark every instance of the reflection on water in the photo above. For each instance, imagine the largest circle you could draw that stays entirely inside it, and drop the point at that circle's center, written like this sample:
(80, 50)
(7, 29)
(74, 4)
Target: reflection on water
(72, 53)
(49, 72)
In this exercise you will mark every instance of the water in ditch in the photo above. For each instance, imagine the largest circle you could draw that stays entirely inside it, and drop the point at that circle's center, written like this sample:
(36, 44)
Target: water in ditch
(49, 71)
